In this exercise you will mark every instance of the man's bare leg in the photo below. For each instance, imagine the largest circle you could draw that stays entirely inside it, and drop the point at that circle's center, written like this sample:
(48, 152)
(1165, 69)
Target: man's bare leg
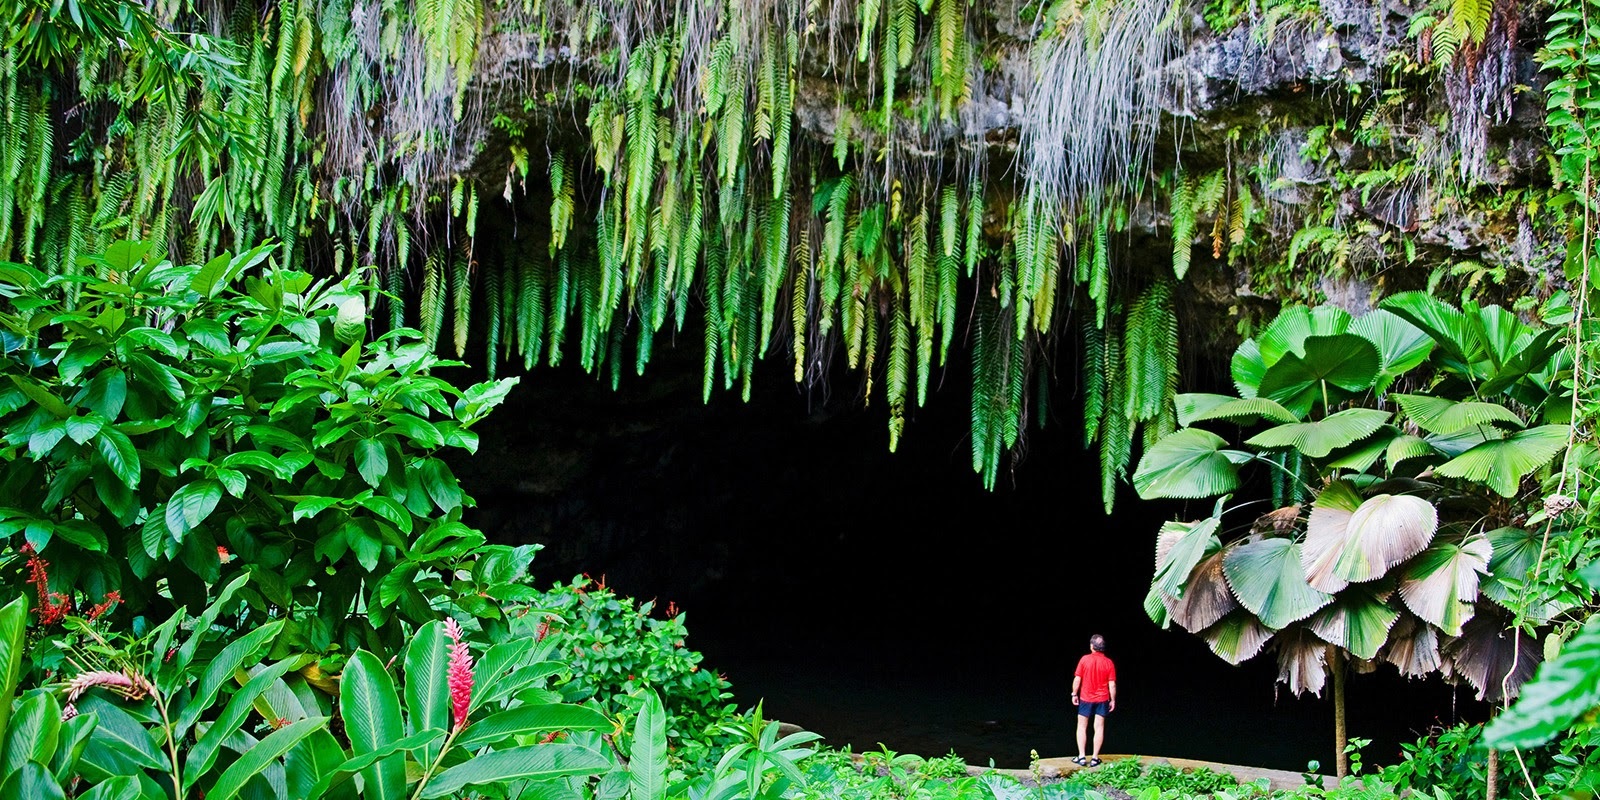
(1083, 730)
(1099, 732)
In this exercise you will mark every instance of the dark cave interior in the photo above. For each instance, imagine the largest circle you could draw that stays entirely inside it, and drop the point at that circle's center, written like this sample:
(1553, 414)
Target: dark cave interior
(889, 599)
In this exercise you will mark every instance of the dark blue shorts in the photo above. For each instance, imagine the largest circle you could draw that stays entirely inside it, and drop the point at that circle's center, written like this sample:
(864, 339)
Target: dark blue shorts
(1087, 709)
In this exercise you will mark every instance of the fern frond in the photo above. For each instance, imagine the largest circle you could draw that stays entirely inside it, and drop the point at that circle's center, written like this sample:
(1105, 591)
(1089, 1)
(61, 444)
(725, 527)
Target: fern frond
(431, 303)
(1183, 222)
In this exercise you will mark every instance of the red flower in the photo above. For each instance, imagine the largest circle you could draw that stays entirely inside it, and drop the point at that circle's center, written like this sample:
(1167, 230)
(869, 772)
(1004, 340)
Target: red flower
(53, 606)
(99, 610)
(460, 674)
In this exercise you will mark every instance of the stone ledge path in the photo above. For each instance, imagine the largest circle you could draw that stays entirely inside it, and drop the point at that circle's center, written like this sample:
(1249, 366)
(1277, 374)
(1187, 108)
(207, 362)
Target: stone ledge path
(1057, 767)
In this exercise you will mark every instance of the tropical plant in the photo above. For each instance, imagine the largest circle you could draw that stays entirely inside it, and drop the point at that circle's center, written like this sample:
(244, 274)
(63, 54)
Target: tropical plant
(172, 429)
(170, 714)
(1413, 551)
(617, 648)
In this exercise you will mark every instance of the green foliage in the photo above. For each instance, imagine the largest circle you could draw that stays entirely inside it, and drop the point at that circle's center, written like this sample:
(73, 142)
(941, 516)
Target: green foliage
(1386, 564)
(175, 428)
(616, 648)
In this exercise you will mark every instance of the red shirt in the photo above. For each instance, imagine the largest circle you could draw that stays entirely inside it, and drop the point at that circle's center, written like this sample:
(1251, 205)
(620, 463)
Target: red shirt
(1097, 672)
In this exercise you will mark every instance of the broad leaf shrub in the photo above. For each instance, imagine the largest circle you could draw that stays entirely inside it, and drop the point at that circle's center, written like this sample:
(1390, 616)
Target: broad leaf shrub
(616, 647)
(169, 428)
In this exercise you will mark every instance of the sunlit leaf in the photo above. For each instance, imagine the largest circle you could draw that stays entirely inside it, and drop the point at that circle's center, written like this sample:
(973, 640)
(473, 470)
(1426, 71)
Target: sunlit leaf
(1318, 439)
(1441, 583)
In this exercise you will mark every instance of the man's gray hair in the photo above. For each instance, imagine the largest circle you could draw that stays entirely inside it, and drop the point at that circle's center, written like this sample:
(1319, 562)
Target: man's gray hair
(1097, 643)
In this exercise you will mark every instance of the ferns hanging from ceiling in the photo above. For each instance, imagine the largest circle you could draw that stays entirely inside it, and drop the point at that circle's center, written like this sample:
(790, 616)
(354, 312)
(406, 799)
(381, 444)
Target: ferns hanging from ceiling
(696, 194)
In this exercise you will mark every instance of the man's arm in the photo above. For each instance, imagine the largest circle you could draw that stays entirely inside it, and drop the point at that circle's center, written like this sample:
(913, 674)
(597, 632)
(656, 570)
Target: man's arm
(1112, 685)
(1076, 682)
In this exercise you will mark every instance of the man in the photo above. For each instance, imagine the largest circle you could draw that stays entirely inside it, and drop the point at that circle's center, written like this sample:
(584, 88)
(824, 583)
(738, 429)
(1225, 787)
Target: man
(1094, 692)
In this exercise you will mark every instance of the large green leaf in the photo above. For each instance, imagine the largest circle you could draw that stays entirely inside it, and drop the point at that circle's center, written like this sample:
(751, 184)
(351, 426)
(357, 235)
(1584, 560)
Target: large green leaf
(33, 733)
(1437, 415)
(1444, 323)
(371, 713)
(1287, 333)
(1194, 408)
(221, 669)
(1248, 368)
(1362, 455)
(1406, 447)
(1359, 621)
(532, 719)
(31, 782)
(1187, 464)
(1238, 637)
(1515, 553)
(1441, 583)
(647, 761)
(261, 755)
(1318, 439)
(341, 773)
(1265, 576)
(428, 682)
(534, 762)
(1559, 693)
(191, 505)
(1179, 547)
(206, 748)
(1402, 346)
(119, 745)
(1501, 465)
(13, 643)
(1333, 368)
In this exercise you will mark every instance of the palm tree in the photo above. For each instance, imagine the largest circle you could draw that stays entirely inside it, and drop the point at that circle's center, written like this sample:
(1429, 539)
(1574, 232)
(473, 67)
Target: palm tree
(1392, 541)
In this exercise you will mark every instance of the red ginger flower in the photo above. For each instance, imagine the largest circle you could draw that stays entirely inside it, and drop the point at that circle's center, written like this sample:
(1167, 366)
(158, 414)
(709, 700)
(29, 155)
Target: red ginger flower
(53, 606)
(460, 672)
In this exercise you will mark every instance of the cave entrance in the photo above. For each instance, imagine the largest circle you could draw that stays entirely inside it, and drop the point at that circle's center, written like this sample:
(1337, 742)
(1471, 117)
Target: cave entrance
(888, 598)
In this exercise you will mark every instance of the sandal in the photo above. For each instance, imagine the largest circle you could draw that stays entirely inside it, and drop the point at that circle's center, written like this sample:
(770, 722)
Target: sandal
(1094, 762)
(1080, 761)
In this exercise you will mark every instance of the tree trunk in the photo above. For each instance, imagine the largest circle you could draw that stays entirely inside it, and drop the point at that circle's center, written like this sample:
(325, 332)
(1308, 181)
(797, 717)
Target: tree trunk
(1340, 739)
(1493, 779)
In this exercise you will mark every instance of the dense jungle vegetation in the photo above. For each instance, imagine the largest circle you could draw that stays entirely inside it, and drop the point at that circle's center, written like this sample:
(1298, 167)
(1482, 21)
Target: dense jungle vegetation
(241, 238)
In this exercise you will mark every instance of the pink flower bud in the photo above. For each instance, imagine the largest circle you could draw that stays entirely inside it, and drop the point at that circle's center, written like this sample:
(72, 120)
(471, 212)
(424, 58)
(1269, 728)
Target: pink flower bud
(460, 673)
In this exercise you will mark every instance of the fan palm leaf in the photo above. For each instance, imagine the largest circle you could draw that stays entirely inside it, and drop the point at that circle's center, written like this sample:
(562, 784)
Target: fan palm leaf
(1413, 647)
(1194, 408)
(1302, 661)
(1206, 598)
(1437, 415)
(1318, 439)
(1401, 346)
(1266, 577)
(1441, 583)
(1188, 464)
(1331, 368)
(1350, 540)
(1237, 637)
(1502, 464)
(1359, 621)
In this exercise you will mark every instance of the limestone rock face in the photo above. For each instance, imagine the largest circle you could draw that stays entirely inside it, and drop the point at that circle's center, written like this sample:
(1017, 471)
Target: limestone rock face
(1257, 98)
